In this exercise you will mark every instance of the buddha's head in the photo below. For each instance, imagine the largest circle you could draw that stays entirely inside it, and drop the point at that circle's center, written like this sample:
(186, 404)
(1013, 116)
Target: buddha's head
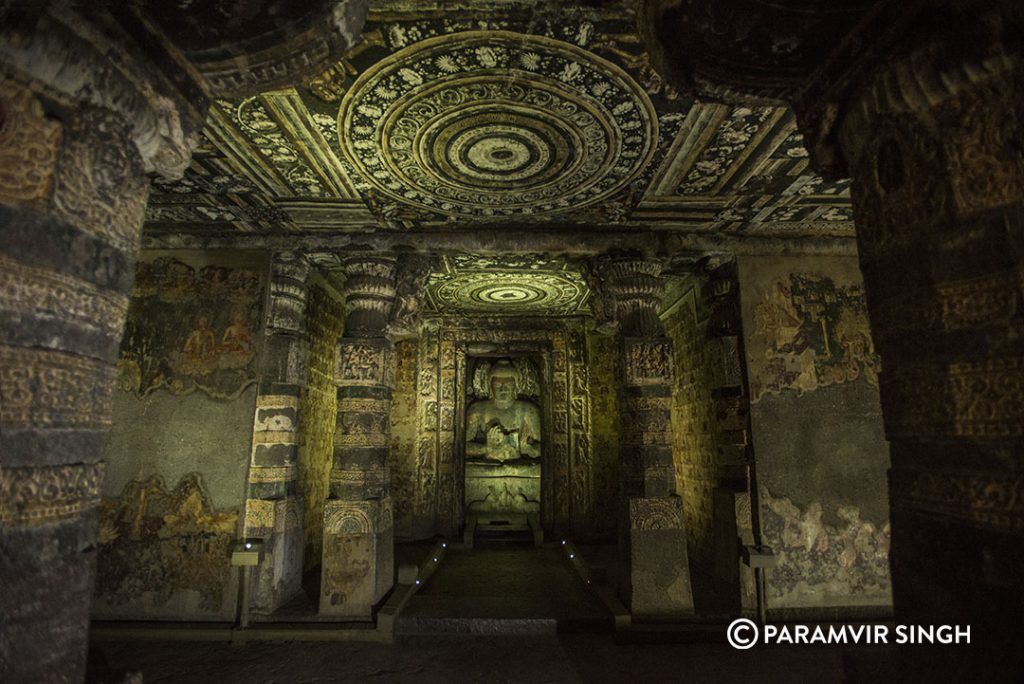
(503, 384)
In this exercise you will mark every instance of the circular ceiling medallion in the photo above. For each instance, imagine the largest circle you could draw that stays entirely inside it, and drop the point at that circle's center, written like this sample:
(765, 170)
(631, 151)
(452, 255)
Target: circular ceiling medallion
(494, 123)
(509, 293)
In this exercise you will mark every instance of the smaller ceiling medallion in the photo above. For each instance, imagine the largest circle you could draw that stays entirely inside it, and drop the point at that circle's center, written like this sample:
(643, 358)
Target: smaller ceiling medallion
(500, 291)
(497, 124)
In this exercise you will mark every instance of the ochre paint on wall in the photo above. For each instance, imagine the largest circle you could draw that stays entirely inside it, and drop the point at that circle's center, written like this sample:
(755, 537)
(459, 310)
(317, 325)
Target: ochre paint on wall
(817, 431)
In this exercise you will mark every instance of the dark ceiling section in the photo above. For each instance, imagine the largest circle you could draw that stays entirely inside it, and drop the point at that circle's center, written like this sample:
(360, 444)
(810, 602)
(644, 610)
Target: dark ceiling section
(212, 29)
(245, 46)
(749, 48)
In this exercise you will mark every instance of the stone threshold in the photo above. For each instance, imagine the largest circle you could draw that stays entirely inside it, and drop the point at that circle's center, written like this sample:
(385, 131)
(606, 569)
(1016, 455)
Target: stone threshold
(230, 632)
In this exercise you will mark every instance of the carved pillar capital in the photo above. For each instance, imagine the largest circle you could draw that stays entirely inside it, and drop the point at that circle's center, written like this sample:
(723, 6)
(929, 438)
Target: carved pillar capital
(370, 289)
(289, 288)
(99, 61)
(287, 346)
(636, 286)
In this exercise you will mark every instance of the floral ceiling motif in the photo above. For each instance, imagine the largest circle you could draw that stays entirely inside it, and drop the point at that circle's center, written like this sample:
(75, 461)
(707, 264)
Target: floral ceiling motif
(496, 123)
(488, 112)
(471, 284)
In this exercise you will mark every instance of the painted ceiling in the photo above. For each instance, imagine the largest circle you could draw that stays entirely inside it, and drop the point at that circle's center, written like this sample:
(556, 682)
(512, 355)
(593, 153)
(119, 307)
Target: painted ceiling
(530, 284)
(458, 115)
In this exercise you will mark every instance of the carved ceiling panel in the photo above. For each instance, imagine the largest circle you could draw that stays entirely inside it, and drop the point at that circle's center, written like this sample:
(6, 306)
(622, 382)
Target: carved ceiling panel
(448, 116)
(497, 124)
(532, 285)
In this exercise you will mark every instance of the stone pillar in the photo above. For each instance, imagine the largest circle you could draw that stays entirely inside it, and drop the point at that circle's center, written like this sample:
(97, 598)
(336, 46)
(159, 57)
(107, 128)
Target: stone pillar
(655, 581)
(934, 150)
(358, 556)
(273, 509)
(78, 135)
(734, 514)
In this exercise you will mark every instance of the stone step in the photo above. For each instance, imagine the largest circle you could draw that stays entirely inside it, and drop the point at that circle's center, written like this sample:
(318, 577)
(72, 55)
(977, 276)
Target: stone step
(502, 536)
(477, 625)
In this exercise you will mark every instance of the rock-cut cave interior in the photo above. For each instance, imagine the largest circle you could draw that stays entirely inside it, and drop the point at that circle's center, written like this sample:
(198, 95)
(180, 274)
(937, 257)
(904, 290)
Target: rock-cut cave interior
(523, 340)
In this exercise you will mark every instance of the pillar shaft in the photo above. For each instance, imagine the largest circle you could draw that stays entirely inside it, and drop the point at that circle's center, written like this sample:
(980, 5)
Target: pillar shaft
(72, 195)
(358, 556)
(274, 505)
(938, 193)
(652, 540)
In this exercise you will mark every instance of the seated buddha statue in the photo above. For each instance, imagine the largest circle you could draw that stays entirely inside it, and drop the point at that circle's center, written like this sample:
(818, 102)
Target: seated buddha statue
(503, 427)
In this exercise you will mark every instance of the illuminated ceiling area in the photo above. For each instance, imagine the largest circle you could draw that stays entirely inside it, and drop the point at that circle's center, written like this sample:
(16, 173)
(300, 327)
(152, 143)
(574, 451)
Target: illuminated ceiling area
(528, 285)
(470, 116)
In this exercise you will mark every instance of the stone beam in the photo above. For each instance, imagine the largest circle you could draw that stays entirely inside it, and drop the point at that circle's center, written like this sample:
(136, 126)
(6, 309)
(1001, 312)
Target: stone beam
(553, 240)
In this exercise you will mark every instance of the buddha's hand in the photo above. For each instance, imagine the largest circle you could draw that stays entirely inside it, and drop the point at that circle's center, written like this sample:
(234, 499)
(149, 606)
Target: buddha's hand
(495, 436)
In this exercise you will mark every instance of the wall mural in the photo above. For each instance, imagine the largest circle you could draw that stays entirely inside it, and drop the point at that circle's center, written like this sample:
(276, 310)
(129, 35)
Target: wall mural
(818, 560)
(165, 551)
(810, 333)
(191, 328)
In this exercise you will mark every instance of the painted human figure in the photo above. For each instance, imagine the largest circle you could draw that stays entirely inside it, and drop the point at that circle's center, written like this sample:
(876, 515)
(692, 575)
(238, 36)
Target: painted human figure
(236, 343)
(502, 427)
(237, 339)
(200, 350)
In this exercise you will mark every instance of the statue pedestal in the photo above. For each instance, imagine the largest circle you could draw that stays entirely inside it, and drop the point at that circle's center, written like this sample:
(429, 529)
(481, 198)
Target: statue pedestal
(509, 487)
(656, 581)
(357, 569)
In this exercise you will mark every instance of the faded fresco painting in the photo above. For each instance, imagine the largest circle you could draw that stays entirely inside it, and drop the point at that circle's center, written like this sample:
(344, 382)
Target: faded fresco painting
(809, 333)
(191, 328)
(825, 559)
(165, 551)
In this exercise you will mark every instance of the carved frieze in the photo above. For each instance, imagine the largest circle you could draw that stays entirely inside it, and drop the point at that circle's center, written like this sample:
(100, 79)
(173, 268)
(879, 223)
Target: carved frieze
(30, 290)
(47, 388)
(660, 513)
(99, 184)
(43, 494)
(350, 517)
(28, 145)
(978, 399)
(985, 164)
(269, 474)
(988, 299)
(365, 477)
(647, 361)
(364, 362)
(989, 499)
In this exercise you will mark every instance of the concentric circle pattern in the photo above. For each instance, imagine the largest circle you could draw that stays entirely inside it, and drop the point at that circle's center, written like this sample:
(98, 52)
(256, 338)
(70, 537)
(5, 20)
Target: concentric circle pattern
(493, 123)
(509, 293)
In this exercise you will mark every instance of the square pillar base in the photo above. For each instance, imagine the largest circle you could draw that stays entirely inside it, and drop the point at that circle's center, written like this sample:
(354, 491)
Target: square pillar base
(278, 523)
(656, 581)
(357, 569)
